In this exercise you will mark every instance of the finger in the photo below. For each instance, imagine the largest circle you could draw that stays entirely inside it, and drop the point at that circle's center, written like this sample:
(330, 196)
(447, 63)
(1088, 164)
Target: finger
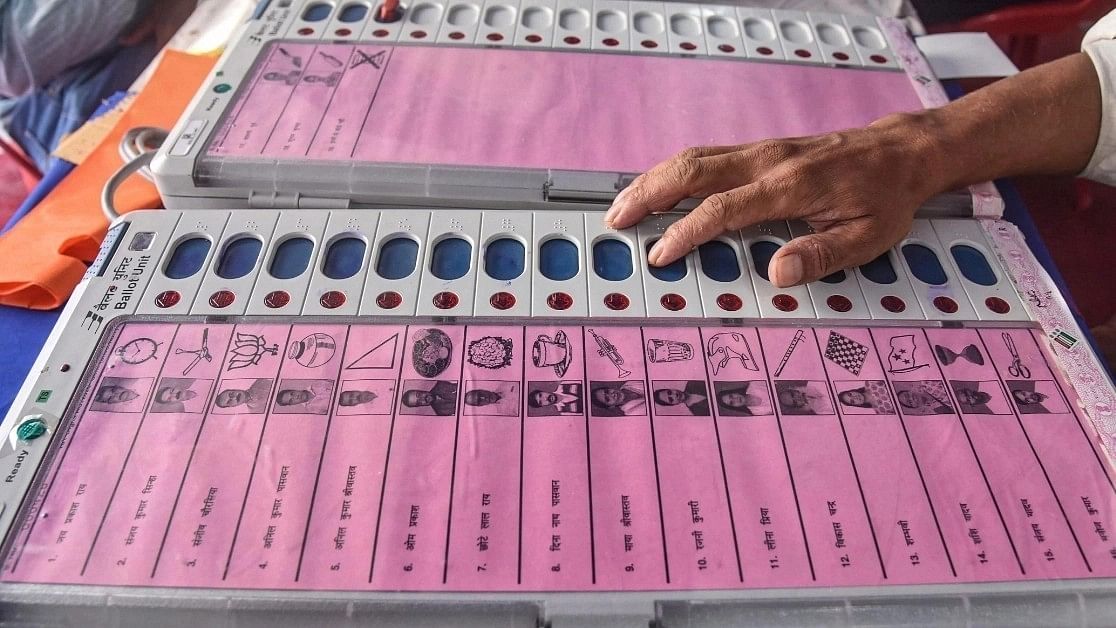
(733, 209)
(693, 172)
(811, 257)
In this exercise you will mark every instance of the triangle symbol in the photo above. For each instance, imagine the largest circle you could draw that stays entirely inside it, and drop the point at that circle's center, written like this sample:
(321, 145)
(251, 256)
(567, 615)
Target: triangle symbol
(382, 356)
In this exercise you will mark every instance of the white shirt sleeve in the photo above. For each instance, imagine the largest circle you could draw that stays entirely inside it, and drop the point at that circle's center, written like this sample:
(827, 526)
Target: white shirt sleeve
(1100, 45)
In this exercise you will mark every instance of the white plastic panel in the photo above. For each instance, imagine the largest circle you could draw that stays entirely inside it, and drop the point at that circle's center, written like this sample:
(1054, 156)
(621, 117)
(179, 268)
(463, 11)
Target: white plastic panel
(833, 38)
(547, 293)
(795, 301)
(870, 42)
(460, 22)
(176, 296)
(629, 290)
(648, 27)
(685, 29)
(496, 226)
(722, 298)
(498, 21)
(302, 27)
(663, 297)
(230, 296)
(535, 28)
(573, 24)
(986, 300)
(460, 291)
(272, 295)
(760, 34)
(722, 31)
(396, 297)
(610, 26)
(796, 36)
(891, 301)
(341, 295)
(948, 301)
(835, 299)
(377, 31)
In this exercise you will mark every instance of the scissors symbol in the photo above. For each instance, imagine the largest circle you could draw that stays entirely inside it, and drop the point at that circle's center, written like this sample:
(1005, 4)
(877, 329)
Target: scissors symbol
(1017, 368)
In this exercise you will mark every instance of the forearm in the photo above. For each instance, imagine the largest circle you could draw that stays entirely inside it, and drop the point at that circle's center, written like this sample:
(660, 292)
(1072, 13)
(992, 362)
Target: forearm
(1042, 121)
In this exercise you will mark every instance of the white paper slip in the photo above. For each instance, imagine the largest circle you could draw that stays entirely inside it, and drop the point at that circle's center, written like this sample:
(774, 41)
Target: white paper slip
(965, 55)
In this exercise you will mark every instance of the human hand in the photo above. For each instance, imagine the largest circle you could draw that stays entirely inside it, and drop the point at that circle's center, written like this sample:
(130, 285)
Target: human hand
(857, 189)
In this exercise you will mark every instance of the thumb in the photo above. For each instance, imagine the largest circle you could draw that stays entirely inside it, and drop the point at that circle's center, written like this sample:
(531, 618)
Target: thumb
(811, 257)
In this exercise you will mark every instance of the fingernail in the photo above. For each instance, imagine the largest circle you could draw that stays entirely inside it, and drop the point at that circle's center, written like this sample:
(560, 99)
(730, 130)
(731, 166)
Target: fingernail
(656, 253)
(788, 271)
(617, 206)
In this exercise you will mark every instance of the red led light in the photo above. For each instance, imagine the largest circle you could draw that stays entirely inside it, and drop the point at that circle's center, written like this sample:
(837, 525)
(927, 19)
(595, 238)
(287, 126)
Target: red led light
(997, 305)
(616, 301)
(764, 50)
(342, 32)
(169, 298)
(946, 304)
(784, 302)
(534, 39)
(221, 298)
(457, 35)
(673, 302)
(380, 32)
(306, 31)
(649, 43)
(729, 302)
(494, 37)
(840, 56)
(389, 300)
(559, 301)
(805, 54)
(727, 49)
(445, 300)
(418, 34)
(502, 301)
(332, 300)
(573, 41)
(277, 299)
(687, 46)
(878, 58)
(893, 304)
(611, 42)
(839, 303)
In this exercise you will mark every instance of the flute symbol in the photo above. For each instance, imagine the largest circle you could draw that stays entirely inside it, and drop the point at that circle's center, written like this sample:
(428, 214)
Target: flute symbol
(607, 350)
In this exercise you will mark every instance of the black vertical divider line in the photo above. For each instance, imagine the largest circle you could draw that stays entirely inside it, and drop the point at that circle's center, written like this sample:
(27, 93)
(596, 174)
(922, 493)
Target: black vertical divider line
(848, 449)
(914, 456)
(255, 459)
(193, 450)
(720, 452)
(522, 437)
(1034, 452)
(332, 94)
(585, 405)
(321, 456)
(68, 437)
(371, 101)
(786, 455)
(387, 454)
(128, 456)
(647, 392)
(290, 96)
(453, 463)
(1076, 416)
(976, 457)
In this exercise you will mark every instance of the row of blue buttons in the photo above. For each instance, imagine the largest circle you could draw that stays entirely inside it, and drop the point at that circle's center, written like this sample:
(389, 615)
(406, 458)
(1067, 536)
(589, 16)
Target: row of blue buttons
(504, 260)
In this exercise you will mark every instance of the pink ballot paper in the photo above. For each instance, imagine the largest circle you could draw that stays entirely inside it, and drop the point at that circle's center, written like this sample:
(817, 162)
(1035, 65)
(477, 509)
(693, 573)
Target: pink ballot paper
(566, 458)
(475, 107)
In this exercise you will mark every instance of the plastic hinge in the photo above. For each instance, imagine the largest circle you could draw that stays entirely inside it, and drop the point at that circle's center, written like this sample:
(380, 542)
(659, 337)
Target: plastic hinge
(583, 187)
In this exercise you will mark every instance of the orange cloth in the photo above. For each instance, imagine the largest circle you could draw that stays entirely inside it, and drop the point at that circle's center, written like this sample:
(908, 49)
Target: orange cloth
(41, 258)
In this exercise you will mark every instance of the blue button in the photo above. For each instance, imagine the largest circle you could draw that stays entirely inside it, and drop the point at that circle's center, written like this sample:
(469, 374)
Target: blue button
(719, 261)
(504, 259)
(187, 258)
(398, 258)
(762, 252)
(239, 257)
(836, 277)
(344, 258)
(558, 259)
(451, 258)
(925, 265)
(974, 266)
(880, 270)
(291, 258)
(673, 271)
(316, 12)
(354, 12)
(612, 259)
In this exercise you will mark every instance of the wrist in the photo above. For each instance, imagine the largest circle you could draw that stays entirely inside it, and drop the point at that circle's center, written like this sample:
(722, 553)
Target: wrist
(923, 144)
